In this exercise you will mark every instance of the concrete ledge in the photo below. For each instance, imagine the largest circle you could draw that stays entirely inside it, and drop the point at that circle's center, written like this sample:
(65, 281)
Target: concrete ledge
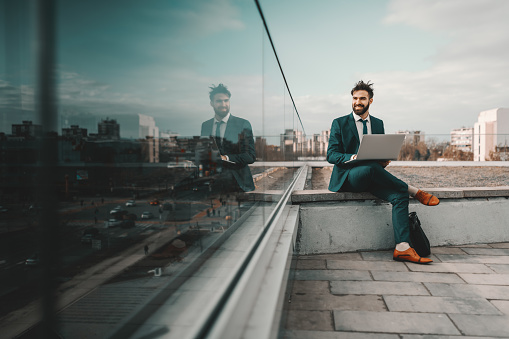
(345, 222)
(442, 193)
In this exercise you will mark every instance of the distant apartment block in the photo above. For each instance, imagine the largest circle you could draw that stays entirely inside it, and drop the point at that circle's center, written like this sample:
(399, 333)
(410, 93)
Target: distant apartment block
(292, 143)
(461, 138)
(295, 142)
(413, 137)
(317, 145)
(150, 149)
(491, 133)
(26, 130)
(74, 133)
(108, 129)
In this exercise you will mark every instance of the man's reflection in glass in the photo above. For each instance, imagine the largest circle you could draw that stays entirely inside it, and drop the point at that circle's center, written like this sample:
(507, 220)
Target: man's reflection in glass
(233, 144)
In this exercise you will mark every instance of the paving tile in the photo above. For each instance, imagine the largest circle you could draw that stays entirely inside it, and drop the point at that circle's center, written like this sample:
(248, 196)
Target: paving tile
(451, 278)
(500, 245)
(309, 320)
(312, 286)
(468, 291)
(289, 334)
(450, 267)
(447, 250)
(474, 246)
(377, 287)
(377, 255)
(322, 302)
(426, 304)
(502, 305)
(393, 322)
(333, 256)
(331, 275)
(487, 251)
(486, 279)
(499, 268)
(481, 259)
(497, 326)
(311, 264)
(366, 265)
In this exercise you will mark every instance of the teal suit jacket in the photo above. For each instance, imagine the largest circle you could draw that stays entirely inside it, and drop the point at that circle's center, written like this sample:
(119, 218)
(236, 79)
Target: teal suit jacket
(343, 143)
(238, 145)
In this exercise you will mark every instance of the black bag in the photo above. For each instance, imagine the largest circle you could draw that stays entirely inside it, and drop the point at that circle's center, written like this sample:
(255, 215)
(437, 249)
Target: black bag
(418, 239)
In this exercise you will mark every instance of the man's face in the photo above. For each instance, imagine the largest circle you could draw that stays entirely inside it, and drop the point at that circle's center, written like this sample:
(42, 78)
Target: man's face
(361, 102)
(221, 104)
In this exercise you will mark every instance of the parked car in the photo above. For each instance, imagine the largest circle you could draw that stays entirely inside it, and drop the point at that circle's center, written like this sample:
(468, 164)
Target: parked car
(130, 203)
(116, 209)
(33, 260)
(112, 223)
(118, 214)
(154, 202)
(147, 215)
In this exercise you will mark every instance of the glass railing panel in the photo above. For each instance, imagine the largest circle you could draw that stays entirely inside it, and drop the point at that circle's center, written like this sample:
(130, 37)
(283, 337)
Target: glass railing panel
(142, 190)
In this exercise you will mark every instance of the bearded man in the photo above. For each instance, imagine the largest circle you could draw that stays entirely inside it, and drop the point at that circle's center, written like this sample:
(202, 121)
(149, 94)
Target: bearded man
(370, 176)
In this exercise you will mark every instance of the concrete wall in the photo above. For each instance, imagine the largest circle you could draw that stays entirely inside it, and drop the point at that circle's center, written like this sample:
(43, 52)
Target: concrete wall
(332, 223)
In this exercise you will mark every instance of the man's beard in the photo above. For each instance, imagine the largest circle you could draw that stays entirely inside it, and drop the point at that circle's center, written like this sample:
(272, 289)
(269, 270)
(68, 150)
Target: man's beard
(364, 110)
(222, 114)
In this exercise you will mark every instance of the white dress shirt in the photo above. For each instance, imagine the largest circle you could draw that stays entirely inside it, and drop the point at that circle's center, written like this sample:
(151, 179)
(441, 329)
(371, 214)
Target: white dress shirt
(223, 125)
(360, 125)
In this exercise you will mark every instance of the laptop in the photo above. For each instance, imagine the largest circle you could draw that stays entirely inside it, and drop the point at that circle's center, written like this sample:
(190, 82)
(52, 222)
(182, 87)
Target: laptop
(379, 147)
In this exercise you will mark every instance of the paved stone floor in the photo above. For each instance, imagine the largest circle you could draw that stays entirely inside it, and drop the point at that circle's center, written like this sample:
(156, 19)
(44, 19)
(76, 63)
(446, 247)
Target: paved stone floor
(463, 293)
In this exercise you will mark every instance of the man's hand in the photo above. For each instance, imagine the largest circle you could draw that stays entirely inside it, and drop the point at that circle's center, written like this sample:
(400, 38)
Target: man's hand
(223, 157)
(384, 163)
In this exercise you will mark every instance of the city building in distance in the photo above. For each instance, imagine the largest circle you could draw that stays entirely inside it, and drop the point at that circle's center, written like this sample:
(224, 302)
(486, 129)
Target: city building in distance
(461, 138)
(491, 134)
(413, 137)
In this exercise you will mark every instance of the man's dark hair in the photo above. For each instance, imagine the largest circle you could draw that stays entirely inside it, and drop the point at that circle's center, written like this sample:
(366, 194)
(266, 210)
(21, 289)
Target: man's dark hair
(218, 89)
(363, 86)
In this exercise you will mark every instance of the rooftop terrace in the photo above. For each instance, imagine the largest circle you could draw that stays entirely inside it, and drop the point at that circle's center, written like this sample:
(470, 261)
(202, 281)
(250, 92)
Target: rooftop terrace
(463, 293)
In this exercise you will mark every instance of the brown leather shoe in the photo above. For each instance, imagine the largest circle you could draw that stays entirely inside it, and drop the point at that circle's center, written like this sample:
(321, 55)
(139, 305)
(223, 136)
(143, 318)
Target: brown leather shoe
(410, 255)
(426, 198)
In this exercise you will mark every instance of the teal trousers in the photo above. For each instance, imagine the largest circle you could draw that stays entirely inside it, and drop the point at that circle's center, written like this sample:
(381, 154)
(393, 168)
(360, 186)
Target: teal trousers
(372, 177)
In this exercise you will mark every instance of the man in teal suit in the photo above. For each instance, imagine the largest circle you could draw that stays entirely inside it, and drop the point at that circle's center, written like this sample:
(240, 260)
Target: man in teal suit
(234, 138)
(371, 176)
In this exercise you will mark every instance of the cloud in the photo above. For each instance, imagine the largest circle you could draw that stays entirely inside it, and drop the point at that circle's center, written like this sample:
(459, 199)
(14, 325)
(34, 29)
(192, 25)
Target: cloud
(469, 74)
(194, 19)
(14, 97)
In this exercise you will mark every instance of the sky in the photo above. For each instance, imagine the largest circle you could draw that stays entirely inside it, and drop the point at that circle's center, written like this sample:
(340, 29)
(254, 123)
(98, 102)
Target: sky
(434, 64)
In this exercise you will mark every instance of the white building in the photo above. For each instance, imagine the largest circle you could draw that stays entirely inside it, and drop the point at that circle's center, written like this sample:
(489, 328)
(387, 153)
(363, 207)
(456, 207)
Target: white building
(461, 138)
(413, 137)
(147, 127)
(491, 133)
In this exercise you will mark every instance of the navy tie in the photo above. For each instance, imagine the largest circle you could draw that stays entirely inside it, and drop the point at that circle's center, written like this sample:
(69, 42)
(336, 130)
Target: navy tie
(218, 133)
(364, 127)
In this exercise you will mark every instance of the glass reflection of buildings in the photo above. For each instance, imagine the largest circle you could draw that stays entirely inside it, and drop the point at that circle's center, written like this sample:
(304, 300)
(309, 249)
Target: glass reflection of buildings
(102, 162)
